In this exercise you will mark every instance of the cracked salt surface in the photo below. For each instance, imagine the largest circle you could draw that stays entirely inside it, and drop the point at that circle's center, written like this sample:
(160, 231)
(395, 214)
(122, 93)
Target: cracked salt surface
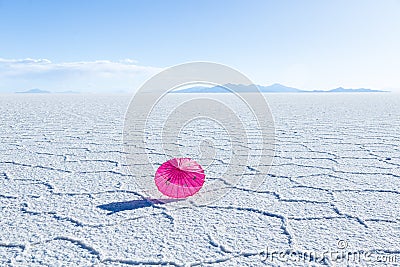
(67, 197)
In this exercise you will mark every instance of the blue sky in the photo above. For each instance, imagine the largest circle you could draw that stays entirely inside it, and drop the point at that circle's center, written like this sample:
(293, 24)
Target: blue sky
(99, 46)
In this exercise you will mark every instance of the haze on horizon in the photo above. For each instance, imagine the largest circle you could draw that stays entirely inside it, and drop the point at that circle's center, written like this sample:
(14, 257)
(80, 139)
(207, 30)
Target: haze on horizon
(115, 46)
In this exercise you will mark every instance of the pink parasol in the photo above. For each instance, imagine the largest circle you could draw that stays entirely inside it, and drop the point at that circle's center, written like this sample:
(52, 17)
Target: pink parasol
(179, 177)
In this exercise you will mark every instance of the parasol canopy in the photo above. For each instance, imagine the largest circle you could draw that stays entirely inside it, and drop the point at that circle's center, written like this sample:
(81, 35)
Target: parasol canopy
(179, 177)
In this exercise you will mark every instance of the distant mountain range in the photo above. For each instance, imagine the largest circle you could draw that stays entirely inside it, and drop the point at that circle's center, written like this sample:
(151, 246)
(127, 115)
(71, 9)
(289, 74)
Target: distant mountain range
(34, 91)
(274, 88)
(39, 91)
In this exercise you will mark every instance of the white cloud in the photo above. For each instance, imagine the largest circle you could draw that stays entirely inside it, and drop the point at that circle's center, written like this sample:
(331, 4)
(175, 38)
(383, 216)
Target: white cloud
(24, 61)
(128, 61)
(84, 76)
